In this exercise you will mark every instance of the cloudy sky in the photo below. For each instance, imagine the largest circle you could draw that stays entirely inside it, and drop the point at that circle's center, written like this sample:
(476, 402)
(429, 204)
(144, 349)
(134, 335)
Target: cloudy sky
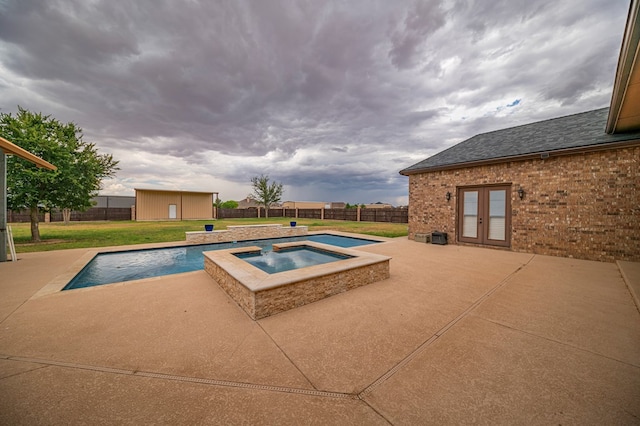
(330, 98)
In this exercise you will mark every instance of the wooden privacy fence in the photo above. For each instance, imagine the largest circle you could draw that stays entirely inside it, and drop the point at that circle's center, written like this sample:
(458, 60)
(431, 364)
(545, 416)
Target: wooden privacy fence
(342, 214)
(237, 213)
(92, 214)
(22, 216)
(384, 215)
(395, 215)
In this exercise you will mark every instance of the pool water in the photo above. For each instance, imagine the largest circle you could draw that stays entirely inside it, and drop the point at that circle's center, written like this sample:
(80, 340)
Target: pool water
(273, 262)
(107, 268)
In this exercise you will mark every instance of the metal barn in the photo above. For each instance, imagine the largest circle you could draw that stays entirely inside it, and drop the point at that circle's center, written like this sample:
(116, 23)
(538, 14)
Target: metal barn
(155, 204)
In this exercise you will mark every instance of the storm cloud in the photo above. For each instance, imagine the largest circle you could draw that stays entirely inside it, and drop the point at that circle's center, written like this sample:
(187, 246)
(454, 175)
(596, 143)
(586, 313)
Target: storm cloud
(331, 98)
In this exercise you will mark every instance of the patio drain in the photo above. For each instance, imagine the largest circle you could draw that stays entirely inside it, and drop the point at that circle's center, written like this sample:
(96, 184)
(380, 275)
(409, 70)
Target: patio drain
(186, 379)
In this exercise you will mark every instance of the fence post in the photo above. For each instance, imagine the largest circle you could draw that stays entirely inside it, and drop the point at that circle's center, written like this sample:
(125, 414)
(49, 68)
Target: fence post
(358, 215)
(322, 214)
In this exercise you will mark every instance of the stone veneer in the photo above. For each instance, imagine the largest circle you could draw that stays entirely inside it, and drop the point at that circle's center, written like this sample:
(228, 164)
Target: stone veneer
(245, 232)
(585, 206)
(261, 294)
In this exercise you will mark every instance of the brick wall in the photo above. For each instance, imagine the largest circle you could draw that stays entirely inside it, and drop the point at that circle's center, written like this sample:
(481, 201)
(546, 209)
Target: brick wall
(584, 205)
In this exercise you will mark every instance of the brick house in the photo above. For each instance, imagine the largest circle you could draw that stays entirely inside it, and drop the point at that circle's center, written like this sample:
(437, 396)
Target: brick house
(564, 187)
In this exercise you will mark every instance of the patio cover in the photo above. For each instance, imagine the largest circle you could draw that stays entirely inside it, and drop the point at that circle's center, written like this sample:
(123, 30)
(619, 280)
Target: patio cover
(7, 148)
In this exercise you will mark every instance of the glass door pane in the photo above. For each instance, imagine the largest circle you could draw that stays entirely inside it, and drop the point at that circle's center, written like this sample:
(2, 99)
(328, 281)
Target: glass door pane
(470, 214)
(497, 215)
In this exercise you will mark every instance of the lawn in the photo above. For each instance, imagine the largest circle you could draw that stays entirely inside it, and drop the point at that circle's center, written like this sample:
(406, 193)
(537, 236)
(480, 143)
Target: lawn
(57, 236)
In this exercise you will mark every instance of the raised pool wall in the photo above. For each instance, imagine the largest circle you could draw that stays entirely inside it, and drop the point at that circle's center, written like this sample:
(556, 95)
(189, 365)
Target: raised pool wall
(245, 232)
(261, 295)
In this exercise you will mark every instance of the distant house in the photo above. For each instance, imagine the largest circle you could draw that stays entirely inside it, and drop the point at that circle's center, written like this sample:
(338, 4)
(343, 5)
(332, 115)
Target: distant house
(313, 205)
(154, 204)
(305, 205)
(113, 201)
(378, 205)
(250, 203)
(568, 186)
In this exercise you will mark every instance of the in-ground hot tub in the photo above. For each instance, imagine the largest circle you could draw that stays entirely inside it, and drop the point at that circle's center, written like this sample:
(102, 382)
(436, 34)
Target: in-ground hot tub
(261, 294)
(282, 259)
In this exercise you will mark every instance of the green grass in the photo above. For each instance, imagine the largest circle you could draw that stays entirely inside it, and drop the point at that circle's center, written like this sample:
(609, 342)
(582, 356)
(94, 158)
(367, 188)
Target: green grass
(58, 236)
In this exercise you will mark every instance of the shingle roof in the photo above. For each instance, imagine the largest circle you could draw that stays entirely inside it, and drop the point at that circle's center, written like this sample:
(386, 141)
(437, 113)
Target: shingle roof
(586, 129)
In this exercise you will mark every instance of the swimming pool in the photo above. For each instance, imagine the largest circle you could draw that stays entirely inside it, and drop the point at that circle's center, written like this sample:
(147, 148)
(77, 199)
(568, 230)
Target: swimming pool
(107, 268)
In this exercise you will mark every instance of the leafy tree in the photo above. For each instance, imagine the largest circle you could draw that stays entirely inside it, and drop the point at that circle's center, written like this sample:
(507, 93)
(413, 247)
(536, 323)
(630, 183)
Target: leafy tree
(229, 204)
(80, 167)
(266, 193)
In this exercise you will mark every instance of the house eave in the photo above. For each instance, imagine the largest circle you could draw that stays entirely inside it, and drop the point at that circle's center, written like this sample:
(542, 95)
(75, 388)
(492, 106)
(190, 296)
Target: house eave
(532, 156)
(625, 98)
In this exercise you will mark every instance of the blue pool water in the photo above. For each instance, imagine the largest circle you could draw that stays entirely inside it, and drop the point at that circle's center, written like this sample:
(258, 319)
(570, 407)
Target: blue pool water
(115, 267)
(273, 262)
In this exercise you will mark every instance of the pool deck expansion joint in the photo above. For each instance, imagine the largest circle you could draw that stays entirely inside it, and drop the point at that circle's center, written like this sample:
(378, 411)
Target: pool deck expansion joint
(173, 377)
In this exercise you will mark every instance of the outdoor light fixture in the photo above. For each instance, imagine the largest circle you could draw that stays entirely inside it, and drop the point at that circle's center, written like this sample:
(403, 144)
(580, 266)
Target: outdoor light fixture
(448, 196)
(521, 193)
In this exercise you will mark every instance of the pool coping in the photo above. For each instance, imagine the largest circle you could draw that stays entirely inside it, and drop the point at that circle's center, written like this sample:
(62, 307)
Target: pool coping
(56, 285)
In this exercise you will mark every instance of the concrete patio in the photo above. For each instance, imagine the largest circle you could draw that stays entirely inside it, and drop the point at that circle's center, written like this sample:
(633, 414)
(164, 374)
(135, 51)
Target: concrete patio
(457, 335)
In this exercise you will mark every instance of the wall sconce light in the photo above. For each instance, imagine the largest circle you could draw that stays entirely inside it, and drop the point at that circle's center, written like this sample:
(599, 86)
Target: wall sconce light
(521, 193)
(448, 196)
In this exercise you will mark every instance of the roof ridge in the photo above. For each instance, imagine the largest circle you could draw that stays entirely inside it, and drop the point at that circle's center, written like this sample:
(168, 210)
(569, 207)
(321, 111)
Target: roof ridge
(537, 122)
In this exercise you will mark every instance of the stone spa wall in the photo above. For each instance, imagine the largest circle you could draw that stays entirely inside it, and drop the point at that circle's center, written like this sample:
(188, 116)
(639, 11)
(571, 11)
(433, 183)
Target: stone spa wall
(245, 232)
(260, 294)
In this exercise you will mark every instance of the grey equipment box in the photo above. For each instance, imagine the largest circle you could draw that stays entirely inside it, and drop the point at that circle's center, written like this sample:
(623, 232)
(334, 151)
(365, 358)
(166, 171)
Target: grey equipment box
(422, 238)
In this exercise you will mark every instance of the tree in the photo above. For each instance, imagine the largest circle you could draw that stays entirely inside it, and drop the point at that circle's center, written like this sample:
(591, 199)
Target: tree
(229, 204)
(80, 167)
(266, 193)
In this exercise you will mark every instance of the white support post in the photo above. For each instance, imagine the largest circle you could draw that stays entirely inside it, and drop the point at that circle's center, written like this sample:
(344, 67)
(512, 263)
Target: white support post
(12, 246)
(3, 206)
